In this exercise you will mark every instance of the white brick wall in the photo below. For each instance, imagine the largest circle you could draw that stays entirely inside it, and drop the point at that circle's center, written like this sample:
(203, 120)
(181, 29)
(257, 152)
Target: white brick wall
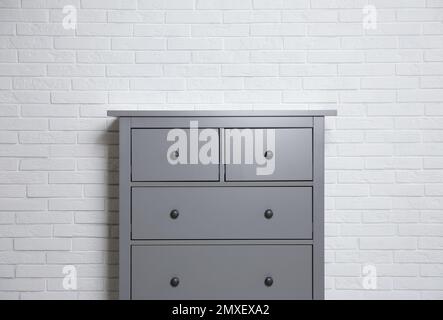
(58, 151)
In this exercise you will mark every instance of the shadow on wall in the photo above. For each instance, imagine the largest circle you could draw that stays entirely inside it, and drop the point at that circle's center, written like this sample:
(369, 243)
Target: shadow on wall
(94, 251)
(110, 140)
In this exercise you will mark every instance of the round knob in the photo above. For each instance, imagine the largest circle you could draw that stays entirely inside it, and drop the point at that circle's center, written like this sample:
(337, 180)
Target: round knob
(174, 214)
(269, 281)
(175, 154)
(174, 281)
(269, 214)
(269, 154)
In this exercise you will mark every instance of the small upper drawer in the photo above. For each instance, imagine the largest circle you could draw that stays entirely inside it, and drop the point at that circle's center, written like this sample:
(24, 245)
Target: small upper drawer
(221, 213)
(152, 153)
(285, 155)
(222, 272)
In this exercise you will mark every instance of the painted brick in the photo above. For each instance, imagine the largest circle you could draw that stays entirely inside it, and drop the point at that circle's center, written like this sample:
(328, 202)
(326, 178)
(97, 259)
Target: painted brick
(156, 30)
(308, 70)
(136, 97)
(45, 217)
(281, 29)
(432, 270)
(364, 256)
(192, 71)
(46, 137)
(418, 283)
(331, 83)
(105, 57)
(397, 190)
(298, 43)
(94, 244)
(20, 231)
(105, 29)
(22, 284)
(76, 204)
(43, 29)
(388, 243)
(82, 285)
(133, 16)
(8, 137)
(23, 205)
(74, 257)
(165, 4)
(158, 84)
(8, 164)
(109, 4)
(40, 111)
(41, 84)
(418, 256)
(7, 56)
(137, 44)
(280, 4)
(77, 151)
(173, 17)
(195, 44)
(30, 244)
(59, 151)
(94, 84)
(307, 15)
(195, 97)
(135, 70)
(80, 43)
(83, 15)
(224, 4)
(45, 295)
(421, 230)
(162, 57)
(255, 43)
(21, 15)
(369, 176)
(95, 217)
(24, 97)
(23, 177)
(11, 191)
(430, 243)
(78, 97)
(393, 270)
(7, 271)
(93, 231)
(54, 191)
(77, 124)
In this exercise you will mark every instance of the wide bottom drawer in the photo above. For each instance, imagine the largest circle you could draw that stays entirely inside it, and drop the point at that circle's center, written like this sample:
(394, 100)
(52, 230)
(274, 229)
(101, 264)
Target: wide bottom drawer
(221, 272)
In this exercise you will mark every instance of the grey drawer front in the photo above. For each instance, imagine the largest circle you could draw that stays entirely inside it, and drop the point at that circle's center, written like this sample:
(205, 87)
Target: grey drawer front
(292, 156)
(150, 163)
(222, 272)
(222, 212)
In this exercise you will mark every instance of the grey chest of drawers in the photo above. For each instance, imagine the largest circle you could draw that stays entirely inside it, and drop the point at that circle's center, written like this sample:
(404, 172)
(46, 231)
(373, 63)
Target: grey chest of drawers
(221, 204)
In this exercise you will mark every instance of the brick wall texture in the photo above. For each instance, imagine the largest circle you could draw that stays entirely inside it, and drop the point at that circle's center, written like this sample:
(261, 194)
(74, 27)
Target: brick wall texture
(59, 151)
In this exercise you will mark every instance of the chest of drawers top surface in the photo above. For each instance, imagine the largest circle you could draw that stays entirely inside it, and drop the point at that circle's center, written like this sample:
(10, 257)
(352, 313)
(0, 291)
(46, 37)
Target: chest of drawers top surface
(223, 113)
(219, 230)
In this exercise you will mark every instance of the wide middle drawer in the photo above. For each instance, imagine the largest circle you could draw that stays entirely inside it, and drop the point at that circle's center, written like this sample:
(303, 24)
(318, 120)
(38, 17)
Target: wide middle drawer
(221, 213)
